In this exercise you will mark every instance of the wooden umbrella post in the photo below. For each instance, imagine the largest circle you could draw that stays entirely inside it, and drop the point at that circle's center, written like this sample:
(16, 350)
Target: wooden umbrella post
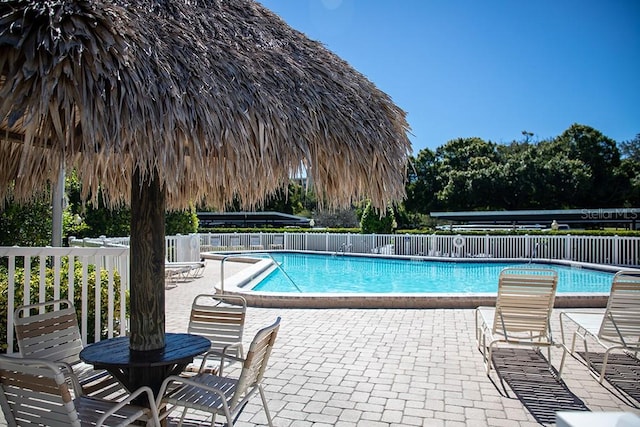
(147, 246)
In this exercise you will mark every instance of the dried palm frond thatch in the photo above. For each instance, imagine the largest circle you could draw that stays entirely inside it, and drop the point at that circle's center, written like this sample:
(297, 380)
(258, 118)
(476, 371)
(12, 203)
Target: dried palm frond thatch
(219, 99)
(165, 103)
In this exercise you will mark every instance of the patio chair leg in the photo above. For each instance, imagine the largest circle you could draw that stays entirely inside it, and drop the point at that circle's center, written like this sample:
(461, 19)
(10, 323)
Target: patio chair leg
(227, 415)
(489, 354)
(182, 417)
(605, 360)
(264, 405)
(564, 355)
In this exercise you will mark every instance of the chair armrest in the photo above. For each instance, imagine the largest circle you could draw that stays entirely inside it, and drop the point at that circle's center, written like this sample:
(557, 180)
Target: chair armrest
(186, 381)
(504, 327)
(222, 355)
(67, 370)
(153, 407)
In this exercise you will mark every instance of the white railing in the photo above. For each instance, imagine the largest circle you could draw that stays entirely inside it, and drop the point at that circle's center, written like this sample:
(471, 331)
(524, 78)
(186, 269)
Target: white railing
(30, 272)
(29, 265)
(612, 250)
(179, 248)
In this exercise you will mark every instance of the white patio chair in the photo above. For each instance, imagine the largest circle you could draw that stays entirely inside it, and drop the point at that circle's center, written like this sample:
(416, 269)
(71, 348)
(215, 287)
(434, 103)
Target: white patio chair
(220, 318)
(617, 328)
(522, 313)
(49, 330)
(235, 243)
(215, 244)
(223, 395)
(36, 392)
(255, 243)
(278, 242)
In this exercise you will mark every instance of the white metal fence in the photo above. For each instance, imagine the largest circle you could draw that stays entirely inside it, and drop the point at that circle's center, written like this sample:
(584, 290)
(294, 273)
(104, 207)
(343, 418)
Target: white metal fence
(73, 272)
(615, 250)
(44, 266)
(179, 248)
(612, 250)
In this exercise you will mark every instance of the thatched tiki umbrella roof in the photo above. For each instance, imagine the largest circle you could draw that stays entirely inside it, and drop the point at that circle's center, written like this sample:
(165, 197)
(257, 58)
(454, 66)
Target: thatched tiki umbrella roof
(170, 102)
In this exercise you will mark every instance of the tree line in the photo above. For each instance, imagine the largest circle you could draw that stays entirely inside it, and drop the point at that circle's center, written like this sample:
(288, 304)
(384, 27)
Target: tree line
(581, 168)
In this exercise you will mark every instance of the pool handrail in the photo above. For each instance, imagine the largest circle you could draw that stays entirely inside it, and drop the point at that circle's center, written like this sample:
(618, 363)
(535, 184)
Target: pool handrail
(267, 254)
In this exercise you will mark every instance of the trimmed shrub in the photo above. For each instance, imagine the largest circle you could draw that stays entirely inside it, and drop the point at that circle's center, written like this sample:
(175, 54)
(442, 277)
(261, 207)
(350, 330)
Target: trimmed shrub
(34, 285)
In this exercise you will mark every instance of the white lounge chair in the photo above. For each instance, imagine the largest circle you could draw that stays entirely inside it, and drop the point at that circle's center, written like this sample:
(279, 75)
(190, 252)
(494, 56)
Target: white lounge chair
(220, 318)
(215, 244)
(278, 242)
(615, 329)
(49, 330)
(183, 271)
(222, 395)
(522, 313)
(36, 392)
(234, 243)
(255, 243)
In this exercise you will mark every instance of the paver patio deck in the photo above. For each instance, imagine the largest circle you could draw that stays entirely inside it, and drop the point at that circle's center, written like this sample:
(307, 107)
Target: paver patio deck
(396, 367)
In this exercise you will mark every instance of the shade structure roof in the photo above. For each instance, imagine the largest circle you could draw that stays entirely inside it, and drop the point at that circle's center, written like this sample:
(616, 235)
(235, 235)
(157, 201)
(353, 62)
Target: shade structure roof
(167, 103)
(544, 216)
(220, 98)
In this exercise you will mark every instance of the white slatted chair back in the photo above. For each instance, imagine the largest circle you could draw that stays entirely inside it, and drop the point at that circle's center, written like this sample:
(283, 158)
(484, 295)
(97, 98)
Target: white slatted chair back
(220, 318)
(49, 331)
(621, 321)
(255, 362)
(36, 392)
(234, 242)
(278, 242)
(525, 302)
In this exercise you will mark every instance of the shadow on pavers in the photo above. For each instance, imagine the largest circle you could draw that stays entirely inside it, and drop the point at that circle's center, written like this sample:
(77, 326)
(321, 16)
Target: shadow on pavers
(623, 373)
(527, 374)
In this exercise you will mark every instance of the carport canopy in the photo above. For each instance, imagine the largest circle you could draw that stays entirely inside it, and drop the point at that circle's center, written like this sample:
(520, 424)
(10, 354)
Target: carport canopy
(575, 218)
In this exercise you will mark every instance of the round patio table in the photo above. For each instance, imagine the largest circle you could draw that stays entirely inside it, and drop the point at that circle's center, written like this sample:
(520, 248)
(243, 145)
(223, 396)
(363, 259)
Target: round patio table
(135, 369)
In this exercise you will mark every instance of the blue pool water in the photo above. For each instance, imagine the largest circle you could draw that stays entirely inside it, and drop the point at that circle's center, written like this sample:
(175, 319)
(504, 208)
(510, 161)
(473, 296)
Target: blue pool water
(330, 273)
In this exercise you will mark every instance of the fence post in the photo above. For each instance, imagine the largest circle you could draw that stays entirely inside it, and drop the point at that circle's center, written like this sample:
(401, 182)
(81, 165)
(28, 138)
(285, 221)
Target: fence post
(487, 248)
(616, 244)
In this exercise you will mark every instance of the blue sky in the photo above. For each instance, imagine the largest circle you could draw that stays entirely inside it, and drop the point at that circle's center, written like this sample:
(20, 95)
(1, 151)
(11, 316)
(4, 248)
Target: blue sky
(491, 68)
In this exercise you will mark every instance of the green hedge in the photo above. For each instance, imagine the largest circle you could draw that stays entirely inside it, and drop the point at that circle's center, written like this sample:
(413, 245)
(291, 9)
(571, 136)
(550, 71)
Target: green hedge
(279, 230)
(611, 233)
(626, 233)
(49, 288)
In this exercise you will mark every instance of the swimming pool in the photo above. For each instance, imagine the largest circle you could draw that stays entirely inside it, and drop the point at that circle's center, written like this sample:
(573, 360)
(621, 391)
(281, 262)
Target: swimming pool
(313, 273)
(327, 280)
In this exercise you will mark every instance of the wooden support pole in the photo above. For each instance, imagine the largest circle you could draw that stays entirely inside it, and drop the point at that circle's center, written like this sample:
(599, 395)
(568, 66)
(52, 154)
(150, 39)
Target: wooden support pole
(147, 246)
